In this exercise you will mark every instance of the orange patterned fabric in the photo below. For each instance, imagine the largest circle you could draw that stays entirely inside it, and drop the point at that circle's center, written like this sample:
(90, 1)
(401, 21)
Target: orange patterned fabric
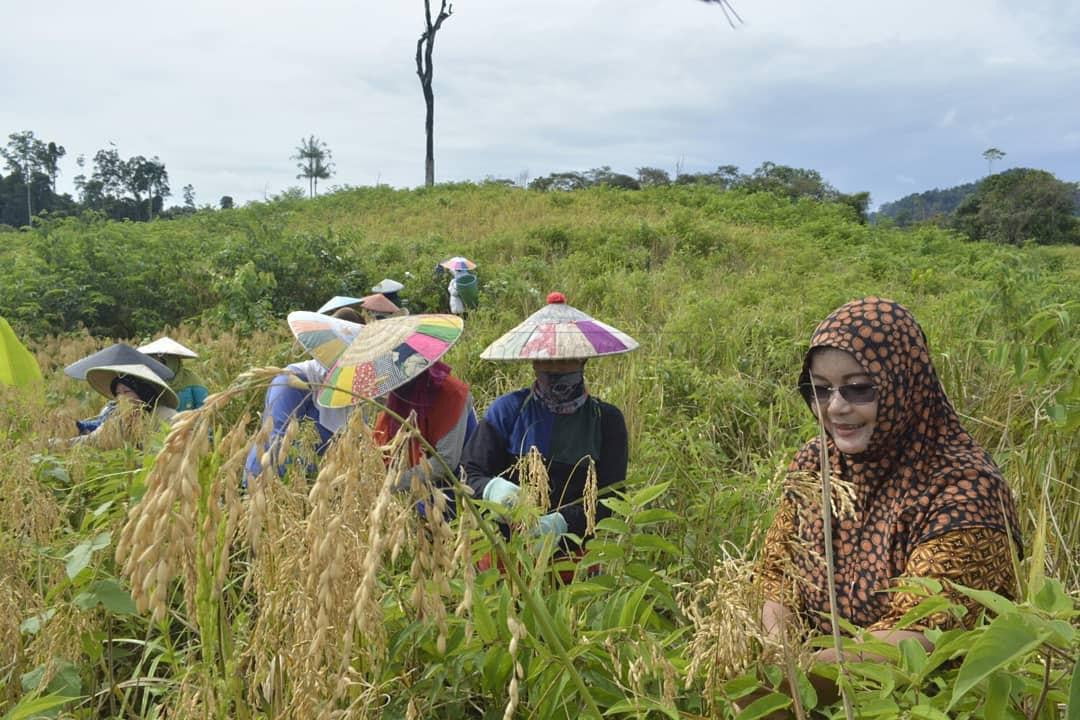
(921, 477)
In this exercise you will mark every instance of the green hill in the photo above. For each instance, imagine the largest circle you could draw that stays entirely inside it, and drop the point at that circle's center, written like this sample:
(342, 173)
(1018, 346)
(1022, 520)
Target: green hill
(721, 289)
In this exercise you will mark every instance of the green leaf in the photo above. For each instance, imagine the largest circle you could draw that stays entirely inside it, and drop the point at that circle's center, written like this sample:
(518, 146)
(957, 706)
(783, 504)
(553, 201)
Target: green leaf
(1006, 639)
(740, 686)
(928, 712)
(914, 655)
(481, 616)
(80, 556)
(655, 542)
(1073, 713)
(763, 706)
(925, 608)
(878, 707)
(613, 524)
(32, 624)
(1052, 598)
(109, 594)
(989, 599)
(997, 696)
(646, 495)
(35, 707)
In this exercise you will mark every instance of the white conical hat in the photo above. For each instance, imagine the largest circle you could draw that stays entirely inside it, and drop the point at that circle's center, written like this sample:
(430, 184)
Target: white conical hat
(167, 346)
(337, 302)
(386, 285)
(558, 331)
(100, 378)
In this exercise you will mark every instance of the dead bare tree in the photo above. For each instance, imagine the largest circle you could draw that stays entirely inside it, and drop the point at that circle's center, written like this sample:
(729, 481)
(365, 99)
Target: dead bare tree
(424, 47)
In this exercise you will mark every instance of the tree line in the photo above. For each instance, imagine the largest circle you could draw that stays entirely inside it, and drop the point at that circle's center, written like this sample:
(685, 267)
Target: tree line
(132, 188)
(1014, 206)
(784, 180)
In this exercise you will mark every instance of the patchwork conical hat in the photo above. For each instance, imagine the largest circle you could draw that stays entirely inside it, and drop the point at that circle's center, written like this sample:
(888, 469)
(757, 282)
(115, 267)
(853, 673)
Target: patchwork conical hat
(323, 337)
(386, 285)
(385, 355)
(18, 366)
(379, 304)
(458, 263)
(167, 346)
(100, 378)
(339, 301)
(558, 331)
(118, 354)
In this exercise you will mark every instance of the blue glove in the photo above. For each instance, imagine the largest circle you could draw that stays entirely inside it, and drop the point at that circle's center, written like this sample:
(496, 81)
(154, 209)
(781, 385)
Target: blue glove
(502, 491)
(551, 524)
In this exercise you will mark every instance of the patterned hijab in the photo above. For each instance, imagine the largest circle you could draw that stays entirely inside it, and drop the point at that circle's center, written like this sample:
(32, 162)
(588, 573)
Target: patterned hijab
(921, 476)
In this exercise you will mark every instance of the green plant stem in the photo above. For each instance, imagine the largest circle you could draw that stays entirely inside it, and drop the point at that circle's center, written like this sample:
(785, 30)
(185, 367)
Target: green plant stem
(528, 594)
(830, 564)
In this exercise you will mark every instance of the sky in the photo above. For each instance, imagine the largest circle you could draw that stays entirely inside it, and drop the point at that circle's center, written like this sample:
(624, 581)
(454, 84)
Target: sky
(888, 97)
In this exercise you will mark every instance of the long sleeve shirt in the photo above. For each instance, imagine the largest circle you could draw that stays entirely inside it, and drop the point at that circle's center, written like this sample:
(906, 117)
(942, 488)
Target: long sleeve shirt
(515, 422)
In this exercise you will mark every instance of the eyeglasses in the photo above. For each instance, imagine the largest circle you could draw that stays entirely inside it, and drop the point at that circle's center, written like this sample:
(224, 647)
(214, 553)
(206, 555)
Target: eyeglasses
(855, 393)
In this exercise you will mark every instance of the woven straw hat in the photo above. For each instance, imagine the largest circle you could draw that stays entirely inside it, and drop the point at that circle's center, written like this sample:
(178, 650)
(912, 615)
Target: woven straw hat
(100, 378)
(118, 354)
(558, 331)
(381, 357)
(325, 338)
(167, 346)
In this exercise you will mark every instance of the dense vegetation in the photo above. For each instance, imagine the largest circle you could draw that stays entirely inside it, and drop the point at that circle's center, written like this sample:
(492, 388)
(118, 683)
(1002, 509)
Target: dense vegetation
(303, 597)
(1015, 206)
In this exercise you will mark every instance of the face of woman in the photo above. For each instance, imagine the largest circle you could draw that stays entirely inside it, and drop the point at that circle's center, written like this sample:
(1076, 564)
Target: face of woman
(123, 391)
(850, 424)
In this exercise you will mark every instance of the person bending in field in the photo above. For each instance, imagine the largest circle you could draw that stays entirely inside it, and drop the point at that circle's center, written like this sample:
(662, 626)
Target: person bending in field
(556, 415)
(131, 386)
(928, 501)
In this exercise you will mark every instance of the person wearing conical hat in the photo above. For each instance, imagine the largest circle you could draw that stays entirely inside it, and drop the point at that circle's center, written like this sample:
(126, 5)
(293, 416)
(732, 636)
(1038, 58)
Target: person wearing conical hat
(187, 385)
(397, 360)
(389, 289)
(556, 415)
(132, 384)
(115, 354)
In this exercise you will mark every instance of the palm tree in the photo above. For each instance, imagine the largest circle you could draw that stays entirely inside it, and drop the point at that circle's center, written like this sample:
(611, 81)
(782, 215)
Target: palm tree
(313, 161)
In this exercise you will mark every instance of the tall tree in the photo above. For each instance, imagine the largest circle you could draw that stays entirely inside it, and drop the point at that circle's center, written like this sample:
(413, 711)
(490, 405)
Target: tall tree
(50, 162)
(990, 155)
(424, 68)
(23, 155)
(313, 161)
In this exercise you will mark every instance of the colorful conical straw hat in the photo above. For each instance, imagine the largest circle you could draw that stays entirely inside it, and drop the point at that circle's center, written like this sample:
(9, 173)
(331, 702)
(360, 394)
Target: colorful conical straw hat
(324, 338)
(383, 356)
(167, 346)
(558, 331)
(458, 263)
(378, 304)
(386, 285)
(118, 354)
(339, 301)
(100, 378)
(18, 366)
